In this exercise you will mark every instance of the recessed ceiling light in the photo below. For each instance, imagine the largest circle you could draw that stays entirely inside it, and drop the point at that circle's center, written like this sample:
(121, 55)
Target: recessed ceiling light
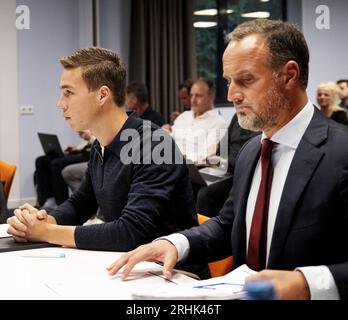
(264, 0)
(257, 14)
(210, 12)
(205, 24)
(207, 12)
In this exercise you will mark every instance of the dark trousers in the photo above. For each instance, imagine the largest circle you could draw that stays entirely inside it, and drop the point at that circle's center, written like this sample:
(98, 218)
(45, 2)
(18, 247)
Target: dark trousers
(211, 199)
(48, 176)
(3, 204)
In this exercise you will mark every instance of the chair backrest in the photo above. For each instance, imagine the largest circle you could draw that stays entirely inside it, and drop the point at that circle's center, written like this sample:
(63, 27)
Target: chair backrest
(7, 172)
(221, 267)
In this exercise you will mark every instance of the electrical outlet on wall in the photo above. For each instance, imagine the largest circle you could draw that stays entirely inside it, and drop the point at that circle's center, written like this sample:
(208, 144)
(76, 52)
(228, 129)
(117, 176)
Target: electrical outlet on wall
(26, 110)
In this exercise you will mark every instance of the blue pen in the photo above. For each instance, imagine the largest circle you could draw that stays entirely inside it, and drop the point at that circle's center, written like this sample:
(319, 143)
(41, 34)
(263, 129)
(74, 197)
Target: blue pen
(212, 285)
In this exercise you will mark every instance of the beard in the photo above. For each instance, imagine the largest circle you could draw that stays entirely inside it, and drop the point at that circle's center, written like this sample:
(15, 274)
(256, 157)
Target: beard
(273, 105)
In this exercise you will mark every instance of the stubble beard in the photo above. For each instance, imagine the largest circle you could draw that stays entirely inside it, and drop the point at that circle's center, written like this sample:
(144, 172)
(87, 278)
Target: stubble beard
(273, 106)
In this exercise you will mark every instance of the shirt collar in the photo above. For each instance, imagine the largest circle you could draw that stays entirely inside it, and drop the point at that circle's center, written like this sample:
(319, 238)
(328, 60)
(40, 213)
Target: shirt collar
(291, 134)
(116, 145)
(205, 114)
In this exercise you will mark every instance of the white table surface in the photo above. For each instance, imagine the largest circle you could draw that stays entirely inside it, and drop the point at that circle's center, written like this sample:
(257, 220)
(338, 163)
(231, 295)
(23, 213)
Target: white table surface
(80, 275)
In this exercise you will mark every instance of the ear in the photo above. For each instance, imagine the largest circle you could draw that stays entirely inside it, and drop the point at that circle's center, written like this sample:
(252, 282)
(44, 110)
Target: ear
(291, 72)
(104, 93)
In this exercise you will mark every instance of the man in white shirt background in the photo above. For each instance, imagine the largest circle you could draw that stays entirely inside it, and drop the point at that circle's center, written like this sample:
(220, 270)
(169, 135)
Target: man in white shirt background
(198, 131)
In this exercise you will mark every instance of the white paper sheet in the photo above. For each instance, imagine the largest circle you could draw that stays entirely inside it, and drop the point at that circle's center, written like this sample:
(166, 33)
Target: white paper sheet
(3, 231)
(227, 287)
(80, 274)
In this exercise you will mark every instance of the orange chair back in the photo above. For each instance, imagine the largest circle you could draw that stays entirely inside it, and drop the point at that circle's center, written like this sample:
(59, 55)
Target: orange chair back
(7, 172)
(221, 267)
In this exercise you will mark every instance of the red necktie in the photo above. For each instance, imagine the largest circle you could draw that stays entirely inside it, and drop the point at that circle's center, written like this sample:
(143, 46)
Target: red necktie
(256, 258)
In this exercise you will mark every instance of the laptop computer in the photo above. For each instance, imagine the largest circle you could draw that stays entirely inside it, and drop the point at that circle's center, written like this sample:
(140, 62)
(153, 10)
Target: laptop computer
(50, 145)
(8, 244)
(206, 176)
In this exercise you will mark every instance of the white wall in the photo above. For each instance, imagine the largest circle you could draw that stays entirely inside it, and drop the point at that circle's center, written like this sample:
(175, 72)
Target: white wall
(54, 32)
(328, 48)
(9, 133)
(30, 73)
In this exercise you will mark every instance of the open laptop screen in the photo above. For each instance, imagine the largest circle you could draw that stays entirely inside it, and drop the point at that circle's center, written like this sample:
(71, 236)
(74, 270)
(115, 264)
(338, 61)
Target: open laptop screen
(50, 145)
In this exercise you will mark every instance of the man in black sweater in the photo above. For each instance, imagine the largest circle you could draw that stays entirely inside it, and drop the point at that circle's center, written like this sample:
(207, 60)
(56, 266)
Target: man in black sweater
(133, 175)
(137, 100)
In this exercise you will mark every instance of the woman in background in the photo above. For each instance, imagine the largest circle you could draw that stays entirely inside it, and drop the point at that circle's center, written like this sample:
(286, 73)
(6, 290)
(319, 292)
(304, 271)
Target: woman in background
(327, 97)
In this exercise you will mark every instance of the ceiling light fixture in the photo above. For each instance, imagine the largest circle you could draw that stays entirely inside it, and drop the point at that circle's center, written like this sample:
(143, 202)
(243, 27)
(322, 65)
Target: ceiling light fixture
(207, 12)
(257, 14)
(205, 24)
(210, 12)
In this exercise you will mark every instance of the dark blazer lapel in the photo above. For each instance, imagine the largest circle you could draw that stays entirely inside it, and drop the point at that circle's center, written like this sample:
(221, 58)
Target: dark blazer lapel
(245, 167)
(305, 161)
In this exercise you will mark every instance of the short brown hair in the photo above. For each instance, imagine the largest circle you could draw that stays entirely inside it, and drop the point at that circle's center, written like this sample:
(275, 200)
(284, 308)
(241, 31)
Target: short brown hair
(284, 40)
(100, 67)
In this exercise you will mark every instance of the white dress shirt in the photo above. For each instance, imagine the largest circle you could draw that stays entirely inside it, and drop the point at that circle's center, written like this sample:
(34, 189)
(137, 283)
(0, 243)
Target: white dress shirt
(319, 278)
(196, 137)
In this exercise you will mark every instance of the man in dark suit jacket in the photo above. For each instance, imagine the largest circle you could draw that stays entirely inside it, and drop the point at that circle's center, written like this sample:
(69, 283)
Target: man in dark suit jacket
(266, 64)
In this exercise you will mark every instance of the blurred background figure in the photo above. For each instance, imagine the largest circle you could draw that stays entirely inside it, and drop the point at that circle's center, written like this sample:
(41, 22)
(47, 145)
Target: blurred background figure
(211, 198)
(50, 185)
(73, 174)
(137, 99)
(184, 97)
(3, 204)
(197, 132)
(327, 97)
(343, 85)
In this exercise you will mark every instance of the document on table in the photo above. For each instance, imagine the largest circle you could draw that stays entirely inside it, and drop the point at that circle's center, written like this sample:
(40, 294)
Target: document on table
(3, 231)
(227, 287)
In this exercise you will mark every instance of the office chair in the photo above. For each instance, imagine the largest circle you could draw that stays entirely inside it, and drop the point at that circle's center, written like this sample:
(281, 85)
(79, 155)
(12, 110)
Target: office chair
(7, 172)
(221, 267)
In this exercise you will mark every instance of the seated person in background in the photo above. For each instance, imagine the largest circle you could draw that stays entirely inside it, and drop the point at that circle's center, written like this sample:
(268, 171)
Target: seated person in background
(140, 194)
(343, 95)
(198, 132)
(293, 228)
(210, 199)
(50, 186)
(137, 99)
(327, 95)
(184, 97)
(84, 145)
(3, 204)
(73, 174)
